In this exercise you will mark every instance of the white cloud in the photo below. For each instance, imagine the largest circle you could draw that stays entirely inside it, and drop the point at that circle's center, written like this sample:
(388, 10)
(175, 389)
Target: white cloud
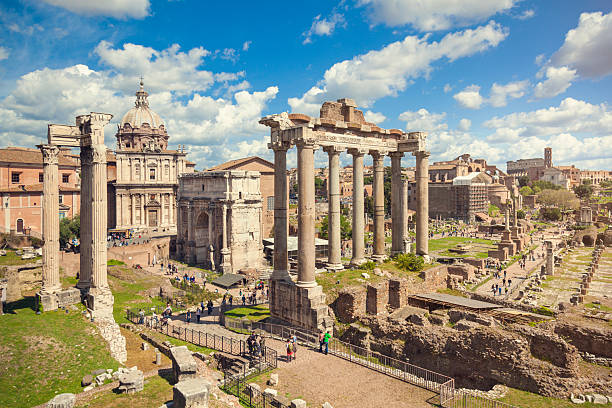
(470, 97)
(464, 125)
(385, 72)
(571, 116)
(27, 29)
(323, 26)
(539, 59)
(525, 15)
(246, 45)
(374, 117)
(587, 47)
(4, 53)
(217, 128)
(557, 81)
(112, 8)
(434, 14)
(500, 93)
(447, 88)
(423, 120)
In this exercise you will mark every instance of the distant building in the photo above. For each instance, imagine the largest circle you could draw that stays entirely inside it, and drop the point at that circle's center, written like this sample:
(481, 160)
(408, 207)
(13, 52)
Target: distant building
(533, 168)
(595, 176)
(21, 178)
(556, 176)
(571, 173)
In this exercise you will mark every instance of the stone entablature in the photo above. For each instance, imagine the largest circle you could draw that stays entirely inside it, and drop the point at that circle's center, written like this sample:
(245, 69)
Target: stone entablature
(219, 220)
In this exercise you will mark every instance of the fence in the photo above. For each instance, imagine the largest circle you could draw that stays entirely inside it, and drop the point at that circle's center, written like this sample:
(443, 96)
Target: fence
(251, 397)
(401, 370)
(204, 339)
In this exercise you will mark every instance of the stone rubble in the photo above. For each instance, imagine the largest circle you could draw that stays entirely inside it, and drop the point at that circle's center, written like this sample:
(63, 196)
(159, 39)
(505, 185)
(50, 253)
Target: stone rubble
(65, 400)
(131, 382)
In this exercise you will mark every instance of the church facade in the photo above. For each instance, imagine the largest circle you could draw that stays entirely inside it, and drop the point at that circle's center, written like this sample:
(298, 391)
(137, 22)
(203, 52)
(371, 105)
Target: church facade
(143, 174)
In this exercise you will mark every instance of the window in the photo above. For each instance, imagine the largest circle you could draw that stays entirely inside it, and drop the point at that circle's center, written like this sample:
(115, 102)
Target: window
(270, 203)
(41, 177)
(151, 174)
(65, 178)
(61, 199)
(15, 177)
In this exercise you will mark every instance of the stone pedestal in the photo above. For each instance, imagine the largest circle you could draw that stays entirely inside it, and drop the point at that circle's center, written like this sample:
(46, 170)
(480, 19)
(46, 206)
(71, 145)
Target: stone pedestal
(300, 306)
(131, 382)
(191, 393)
(184, 366)
(226, 263)
(62, 298)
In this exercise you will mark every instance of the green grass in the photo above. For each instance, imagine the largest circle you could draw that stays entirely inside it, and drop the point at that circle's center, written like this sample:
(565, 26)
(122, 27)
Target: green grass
(13, 259)
(347, 277)
(41, 355)
(452, 292)
(528, 399)
(603, 308)
(115, 262)
(177, 342)
(442, 244)
(157, 391)
(129, 290)
(254, 313)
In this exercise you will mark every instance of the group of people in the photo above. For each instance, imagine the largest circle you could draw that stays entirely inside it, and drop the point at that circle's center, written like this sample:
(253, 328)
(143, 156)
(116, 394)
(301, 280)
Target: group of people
(189, 316)
(170, 269)
(256, 344)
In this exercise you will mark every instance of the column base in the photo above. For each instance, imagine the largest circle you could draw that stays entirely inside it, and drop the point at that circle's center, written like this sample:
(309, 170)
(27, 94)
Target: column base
(100, 303)
(60, 298)
(357, 262)
(280, 275)
(334, 267)
(300, 306)
(379, 258)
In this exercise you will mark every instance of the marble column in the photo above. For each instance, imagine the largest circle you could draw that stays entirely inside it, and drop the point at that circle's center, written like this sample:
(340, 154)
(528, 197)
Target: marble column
(85, 220)
(514, 213)
(396, 202)
(422, 212)
(358, 207)
(306, 214)
(379, 206)
(404, 218)
(226, 263)
(281, 262)
(333, 212)
(133, 208)
(99, 217)
(507, 216)
(50, 227)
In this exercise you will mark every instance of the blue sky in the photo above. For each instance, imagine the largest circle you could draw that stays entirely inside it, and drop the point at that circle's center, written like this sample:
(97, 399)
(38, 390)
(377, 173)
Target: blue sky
(500, 79)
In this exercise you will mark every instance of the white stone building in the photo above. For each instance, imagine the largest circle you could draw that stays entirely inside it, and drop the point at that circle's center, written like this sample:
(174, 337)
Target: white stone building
(219, 220)
(556, 176)
(143, 183)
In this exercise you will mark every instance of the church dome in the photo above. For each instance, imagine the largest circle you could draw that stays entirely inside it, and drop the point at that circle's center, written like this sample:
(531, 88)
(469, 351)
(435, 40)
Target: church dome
(141, 113)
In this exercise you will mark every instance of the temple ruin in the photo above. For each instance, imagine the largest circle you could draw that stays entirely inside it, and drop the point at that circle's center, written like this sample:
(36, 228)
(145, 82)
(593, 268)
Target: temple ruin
(340, 127)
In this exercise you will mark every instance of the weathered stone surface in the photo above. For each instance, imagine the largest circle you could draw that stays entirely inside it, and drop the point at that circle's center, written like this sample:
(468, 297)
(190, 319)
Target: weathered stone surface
(131, 382)
(253, 389)
(191, 393)
(273, 381)
(350, 304)
(144, 345)
(270, 392)
(326, 405)
(600, 399)
(377, 298)
(577, 399)
(184, 365)
(298, 403)
(62, 401)
(87, 379)
(587, 339)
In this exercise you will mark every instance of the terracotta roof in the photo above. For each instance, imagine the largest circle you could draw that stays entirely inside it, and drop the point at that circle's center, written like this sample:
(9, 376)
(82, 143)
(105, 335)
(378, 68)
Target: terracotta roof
(26, 155)
(235, 163)
(34, 188)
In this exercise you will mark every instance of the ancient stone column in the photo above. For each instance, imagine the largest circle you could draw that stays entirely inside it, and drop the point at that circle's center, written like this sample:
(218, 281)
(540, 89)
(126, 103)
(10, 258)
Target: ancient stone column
(379, 206)
(226, 263)
(99, 217)
(358, 207)
(333, 212)
(133, 208)
(396, 207)
(50, 227)
(507, 216)
(404, 217)
(85, 220)
(422, 212)
(514, 213)
(306, 214)
(281, 263)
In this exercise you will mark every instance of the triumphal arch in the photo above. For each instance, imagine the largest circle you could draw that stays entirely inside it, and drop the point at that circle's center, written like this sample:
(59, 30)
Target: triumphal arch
(340, 127)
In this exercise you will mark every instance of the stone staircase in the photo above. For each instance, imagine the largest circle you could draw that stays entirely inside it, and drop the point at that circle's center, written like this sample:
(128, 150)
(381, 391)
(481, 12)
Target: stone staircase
(234, 365)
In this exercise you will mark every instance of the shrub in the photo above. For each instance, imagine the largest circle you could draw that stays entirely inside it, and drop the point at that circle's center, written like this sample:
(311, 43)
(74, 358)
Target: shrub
(543, 310)
(409, 262)
(551, 214)
(368, 266)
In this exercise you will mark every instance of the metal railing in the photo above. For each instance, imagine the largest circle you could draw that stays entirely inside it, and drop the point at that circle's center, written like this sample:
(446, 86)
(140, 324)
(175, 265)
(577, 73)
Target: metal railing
(203, 339)
(250, 396)
(399, 369)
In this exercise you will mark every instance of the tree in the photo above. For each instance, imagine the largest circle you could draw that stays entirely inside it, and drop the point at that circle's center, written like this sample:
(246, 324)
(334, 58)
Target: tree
(493, 210)
(545, 185)
(526, 190)
(605, 184)
(562, 199)
(520, 214)
(368, 204)
(523, 181)
(346, 230)
(536, 189)
(69, 228)
(585, 190)
(550, 214)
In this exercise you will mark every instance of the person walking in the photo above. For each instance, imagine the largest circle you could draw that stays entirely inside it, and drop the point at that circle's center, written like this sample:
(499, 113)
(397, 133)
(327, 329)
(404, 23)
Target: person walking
(326, 341)
(210, 307)
(289, 348)
(294, 347)
(198, 315)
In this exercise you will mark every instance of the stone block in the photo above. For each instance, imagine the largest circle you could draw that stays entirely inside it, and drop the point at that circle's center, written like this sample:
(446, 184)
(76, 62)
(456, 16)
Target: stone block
(350, 304)
(158, 358)
(48, 301)
(377, 298)
(273, 381)
(131, 382)
(398, 293)
(67, 297)
(191, 393)
(89, 387)
(65, 400)
(253, 390)
(599, 399)
(270, 393)
(184, 365)
(144, 345)
(87, 379)
(297, 403)
(464, 271)
(326, 405)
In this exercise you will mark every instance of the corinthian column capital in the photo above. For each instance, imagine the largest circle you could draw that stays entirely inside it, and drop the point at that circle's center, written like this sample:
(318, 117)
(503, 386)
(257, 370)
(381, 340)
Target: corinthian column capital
(50, 154)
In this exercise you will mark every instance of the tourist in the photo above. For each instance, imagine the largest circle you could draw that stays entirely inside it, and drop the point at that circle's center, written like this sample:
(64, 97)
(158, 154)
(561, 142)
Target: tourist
(209, 305)
(262, 344)
(141, 317)
(326, 341)
(231, 300)
(321, 337)
(243, 300)
(506, 289)
(289, 348)
(198, 315)
(294, 347)
(509, 282)
(500, 291)
(188, 316)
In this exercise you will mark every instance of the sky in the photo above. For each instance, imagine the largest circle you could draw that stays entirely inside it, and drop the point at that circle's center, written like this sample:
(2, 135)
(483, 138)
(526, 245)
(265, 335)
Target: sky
(498, 79)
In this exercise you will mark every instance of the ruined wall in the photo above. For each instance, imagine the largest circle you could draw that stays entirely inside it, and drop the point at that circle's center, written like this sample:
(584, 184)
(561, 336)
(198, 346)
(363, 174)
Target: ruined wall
(465, 272)
(592, 340)
(548, 346)
(398, 293)
(435, 276)
(377, 298)
(350, 304)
